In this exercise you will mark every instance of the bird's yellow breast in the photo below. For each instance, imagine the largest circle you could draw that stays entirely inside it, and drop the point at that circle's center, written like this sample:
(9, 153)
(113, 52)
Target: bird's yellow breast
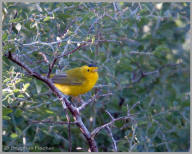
(75, 90)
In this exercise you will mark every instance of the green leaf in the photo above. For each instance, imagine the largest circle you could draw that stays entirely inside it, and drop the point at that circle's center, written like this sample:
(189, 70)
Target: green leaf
(9, 47)
(49, 111)
(14, 135)
(6, 111)
(47, 18)
(4, 37)
(16, 20)
(25, 86)
(6, 118)
(16, 90)
(179, 23)
(20, 96)
(93, 40)
(18, 113)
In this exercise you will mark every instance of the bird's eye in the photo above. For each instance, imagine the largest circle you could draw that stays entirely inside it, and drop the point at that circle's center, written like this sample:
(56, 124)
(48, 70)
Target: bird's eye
(88, 70)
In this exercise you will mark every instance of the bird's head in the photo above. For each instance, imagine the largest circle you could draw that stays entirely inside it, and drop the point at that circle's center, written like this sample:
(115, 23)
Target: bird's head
(89, 70)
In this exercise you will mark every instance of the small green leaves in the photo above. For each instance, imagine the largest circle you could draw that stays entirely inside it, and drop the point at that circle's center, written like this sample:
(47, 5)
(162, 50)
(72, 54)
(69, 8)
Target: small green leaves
(25, 86)
(47, 18)
(6, 111)
(16, 20)
(6, 118)
(14, 135)
(49, 111)
(5, 36)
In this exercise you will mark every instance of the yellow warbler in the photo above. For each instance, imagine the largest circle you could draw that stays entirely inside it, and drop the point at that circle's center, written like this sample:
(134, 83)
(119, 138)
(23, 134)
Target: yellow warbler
(76, 81)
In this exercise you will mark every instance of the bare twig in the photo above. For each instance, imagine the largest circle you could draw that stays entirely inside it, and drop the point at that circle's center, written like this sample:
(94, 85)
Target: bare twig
(43, 43)
(91, 100)
(115, 10)
(87, 102)
(69, 126)
(150, 73)
(65, 54)
(96, 130)
(113, 140)
(109, 114)
(95, 22)
(44, 57)
(108, 94)
(134, 105)
(51, 122)
(141, 53)
(51, 67)
(72, 51)
(141, 75)
(69, 131)
(66, 29)
(101, 86)
(114, 6)
(131, 144)
(144, 74)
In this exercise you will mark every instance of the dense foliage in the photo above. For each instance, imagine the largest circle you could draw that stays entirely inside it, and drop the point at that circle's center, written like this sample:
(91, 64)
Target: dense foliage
(142, 50)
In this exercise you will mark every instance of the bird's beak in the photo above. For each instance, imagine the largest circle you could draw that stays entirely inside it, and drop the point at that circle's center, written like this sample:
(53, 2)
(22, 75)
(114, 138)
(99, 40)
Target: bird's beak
(95, 70)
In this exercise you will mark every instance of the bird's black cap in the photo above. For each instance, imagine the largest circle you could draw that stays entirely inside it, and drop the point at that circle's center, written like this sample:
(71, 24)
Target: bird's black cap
(92, 65)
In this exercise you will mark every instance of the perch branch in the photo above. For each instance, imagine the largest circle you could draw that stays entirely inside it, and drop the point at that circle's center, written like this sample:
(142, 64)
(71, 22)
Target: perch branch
(70, 107)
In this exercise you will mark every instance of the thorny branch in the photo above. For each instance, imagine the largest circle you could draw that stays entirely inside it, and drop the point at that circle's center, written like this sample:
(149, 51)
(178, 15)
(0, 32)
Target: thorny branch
(72, 51)
(96, 130)
(142, 74)
(64, 100)
(69, 126)
(113, 140)
(65, 54)
(111, 134)
(51, 67)
(69, 130)
(73, 110)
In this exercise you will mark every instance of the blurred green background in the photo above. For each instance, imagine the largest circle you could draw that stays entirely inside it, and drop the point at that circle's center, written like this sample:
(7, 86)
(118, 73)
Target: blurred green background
(127, 41)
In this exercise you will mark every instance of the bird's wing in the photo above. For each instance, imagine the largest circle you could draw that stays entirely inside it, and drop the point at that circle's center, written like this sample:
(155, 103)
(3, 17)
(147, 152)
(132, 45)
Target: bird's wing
(67, 79)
